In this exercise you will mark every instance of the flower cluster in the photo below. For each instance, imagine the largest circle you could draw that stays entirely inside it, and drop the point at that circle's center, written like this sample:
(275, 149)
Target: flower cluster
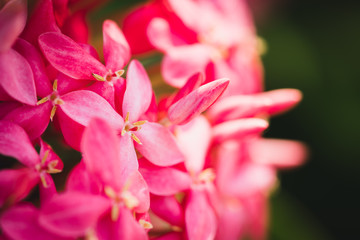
(190, 165)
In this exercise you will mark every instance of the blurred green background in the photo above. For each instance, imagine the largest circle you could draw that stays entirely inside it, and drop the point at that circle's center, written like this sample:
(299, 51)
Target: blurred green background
(312, 46)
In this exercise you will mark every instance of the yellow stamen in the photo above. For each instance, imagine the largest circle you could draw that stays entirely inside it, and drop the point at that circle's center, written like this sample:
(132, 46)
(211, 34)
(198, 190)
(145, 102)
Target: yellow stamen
(129, 199)
(91, 235)
(45, 99)
(46, 154)
(139, 123)
(208, 175)
(126, 186)
(43, 181)
(127, 117)
(119, 73)
(55, 85)
(51, 167)
(115, 212)
(53, 111)
(176, 229)
(145, 224)
(123, 132)
(109, 192)
(136, 139)
(98, 77)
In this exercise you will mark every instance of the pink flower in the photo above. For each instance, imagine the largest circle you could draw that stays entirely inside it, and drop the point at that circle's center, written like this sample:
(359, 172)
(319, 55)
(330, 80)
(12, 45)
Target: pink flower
(21, 222)
(221, 44)
(17, 183)
(246, 164)
(73, 60)
(74, 107)
(107, 210)
(196, 217)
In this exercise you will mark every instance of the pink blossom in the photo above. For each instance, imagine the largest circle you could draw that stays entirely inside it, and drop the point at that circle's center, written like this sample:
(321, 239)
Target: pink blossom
(21, 222)
(107, 213)
(222, 43)
(17, 183)
(71, 59)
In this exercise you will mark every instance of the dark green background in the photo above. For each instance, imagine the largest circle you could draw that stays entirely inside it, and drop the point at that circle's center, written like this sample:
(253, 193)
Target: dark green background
(314, 46)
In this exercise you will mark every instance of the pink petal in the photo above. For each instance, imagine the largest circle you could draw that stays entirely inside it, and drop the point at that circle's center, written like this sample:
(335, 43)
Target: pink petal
(257, 212)
(13, 19)
(251, 179)
(105, 90)
(71, 130)
(46, 193)
(17, 77)
(116, 48)
(282, 100)
(125, 228)
(194, 82)
(34, 120)
(90, 49)
(15, 142)
(151, 114)
(139, 20)
(180, 63)
(4, 96)
(230, 155)
(235, 107)
(159, 34)
(100, 141)
(139, 189)
(194, 140)
(69, 57)
(196, 102)
(21, 223)
(67, 84)
(244, 70)
(199, 216)
(81, 180)
(164, 181)
(7, 107)
(238, 129)
(71, 214)
(41, 21)
(75, 27)
(188, 12)
(119, 87)
(278, 153)
(61, 11)
(158, 145)
(232, 221)
(83, 105)
(42, 82)
(138, 93)
(16, 184)
(168, 208)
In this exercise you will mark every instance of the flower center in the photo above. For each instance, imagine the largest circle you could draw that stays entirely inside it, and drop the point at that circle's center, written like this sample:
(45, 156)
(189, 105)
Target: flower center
(46, 168)
(125, 197)
(131, 128)
(204, 177)
(109, 77)
(55, 99)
